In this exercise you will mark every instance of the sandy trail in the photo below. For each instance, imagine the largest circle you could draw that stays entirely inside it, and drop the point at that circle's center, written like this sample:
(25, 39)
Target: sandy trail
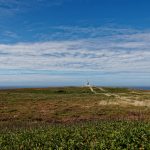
(121, 100)
(126, 103)
(92, 90)
(106, 94)
(102, 89)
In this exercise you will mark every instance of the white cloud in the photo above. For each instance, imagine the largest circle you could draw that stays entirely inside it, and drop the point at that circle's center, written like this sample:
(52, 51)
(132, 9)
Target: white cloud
(13, 7)
(114, 58)
(127, 52)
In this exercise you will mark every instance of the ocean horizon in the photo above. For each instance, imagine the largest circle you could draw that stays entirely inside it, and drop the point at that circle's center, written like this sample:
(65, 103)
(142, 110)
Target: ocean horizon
(20, 87)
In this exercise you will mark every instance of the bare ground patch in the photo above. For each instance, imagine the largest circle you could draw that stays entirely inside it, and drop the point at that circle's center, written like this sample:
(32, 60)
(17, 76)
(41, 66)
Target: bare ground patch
(126, 102)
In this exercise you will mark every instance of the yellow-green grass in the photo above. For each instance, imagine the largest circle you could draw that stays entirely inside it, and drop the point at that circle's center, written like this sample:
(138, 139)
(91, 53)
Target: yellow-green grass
(104, 135)
(72, 104)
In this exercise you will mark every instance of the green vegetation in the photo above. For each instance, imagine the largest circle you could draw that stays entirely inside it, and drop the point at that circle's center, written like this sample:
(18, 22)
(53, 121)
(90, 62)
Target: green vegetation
(74, 118)
(96, 135)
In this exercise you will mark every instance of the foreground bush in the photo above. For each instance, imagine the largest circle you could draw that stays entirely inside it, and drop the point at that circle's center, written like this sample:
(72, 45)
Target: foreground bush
(97, 135)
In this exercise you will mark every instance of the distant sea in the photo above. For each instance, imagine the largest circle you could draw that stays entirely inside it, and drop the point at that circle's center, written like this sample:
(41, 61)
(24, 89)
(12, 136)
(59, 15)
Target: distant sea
(141, 88)
(19, 87)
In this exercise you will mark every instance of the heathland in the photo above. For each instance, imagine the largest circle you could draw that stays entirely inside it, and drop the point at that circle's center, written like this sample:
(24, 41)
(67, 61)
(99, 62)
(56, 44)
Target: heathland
(74, 118)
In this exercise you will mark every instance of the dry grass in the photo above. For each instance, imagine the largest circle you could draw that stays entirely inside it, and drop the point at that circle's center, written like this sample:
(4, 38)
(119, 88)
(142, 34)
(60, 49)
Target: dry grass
(70, 104)
(126, 103)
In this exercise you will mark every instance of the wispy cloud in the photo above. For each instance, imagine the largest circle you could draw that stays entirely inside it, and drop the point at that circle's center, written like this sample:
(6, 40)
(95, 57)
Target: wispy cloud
(120, 51)
(78, 32)
(111, 53)
(12, 7)
(10, 34)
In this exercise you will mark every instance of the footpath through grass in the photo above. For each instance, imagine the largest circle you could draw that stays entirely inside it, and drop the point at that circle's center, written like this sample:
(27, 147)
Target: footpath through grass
(97, 135)
(74, 118)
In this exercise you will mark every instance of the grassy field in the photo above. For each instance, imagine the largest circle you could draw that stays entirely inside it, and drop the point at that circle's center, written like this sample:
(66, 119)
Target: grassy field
(74, 118)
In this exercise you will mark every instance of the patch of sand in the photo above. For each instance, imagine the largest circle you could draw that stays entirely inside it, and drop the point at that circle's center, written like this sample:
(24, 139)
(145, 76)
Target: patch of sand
(120, 100)
(125, 103)
(102, 89)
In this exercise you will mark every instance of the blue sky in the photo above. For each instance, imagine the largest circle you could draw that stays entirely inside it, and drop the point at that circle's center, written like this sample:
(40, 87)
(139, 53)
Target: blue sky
(67, 42)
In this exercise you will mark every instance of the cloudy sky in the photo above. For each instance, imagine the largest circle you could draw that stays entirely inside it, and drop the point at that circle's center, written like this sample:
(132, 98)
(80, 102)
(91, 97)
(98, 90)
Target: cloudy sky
(67, 42)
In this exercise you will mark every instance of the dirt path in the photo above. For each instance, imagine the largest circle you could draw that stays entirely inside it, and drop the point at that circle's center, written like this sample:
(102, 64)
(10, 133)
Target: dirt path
(102, 89)
(121, 100)
(126, 102)
(92, 90)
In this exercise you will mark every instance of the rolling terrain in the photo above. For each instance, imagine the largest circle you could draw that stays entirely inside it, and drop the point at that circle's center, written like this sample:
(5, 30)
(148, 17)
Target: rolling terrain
(63, 112)
(69, 104)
